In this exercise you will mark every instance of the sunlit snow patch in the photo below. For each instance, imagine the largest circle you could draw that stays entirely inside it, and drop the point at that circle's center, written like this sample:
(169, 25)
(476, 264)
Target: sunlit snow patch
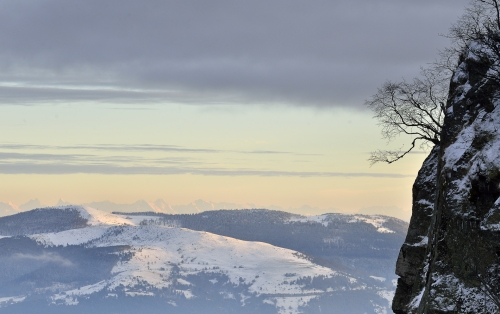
(11, 300)
(376, 221)
(381, 279)
(96, 217)
(325, 219)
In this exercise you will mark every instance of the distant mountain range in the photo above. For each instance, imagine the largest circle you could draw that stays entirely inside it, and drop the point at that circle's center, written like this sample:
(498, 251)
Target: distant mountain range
(75, 259)
(160, 206)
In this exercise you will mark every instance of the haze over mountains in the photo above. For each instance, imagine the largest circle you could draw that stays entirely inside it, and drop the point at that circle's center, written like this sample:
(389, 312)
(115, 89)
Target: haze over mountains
(198, 206)
(76, 259)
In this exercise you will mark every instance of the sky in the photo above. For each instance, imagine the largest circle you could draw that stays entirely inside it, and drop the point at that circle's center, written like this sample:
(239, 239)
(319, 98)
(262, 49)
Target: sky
(258, 102)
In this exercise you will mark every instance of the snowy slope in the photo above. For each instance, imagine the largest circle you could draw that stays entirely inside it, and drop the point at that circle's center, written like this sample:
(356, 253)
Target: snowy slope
(156, 260)
(96, 217)
(376, 221)
(158, 249)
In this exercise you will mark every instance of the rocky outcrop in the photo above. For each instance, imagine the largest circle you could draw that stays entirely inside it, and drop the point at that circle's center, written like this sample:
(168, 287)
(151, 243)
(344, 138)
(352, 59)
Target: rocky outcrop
(412, 255)
(450, 261)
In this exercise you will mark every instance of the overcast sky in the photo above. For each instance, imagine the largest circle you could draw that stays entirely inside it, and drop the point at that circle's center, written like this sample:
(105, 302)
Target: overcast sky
(320, 53)
(192, 91)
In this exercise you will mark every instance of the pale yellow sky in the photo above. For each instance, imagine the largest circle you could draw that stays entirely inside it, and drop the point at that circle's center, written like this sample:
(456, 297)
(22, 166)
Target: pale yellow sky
(246, 102)
(281, 155)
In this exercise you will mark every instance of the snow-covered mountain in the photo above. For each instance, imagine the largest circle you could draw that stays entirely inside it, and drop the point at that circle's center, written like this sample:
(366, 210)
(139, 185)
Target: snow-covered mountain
(8, 209)
(31, 204)
(75, 259)
(139, 206)
(198, 206)
(161, 206)
(356, 241)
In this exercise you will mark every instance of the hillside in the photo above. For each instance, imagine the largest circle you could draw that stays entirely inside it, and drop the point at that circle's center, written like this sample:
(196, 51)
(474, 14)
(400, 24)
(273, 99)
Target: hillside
(357, 241)
(126, 263)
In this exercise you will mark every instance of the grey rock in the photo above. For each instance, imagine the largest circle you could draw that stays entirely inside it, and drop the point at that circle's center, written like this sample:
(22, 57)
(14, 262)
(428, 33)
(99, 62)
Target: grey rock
(450, 261)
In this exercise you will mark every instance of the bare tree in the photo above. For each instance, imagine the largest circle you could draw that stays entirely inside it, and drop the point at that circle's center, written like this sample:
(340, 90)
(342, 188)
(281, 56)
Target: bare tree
(413, 108)
(417, 108)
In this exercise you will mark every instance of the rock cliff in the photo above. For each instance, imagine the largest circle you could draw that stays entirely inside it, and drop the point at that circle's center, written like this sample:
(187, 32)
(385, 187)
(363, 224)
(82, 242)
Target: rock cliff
(450, 261)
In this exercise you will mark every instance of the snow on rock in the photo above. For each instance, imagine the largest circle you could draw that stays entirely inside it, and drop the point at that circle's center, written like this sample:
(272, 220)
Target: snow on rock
(423, 242)
(416, 300)
(459, 271)
(473, 298)
(456, 150)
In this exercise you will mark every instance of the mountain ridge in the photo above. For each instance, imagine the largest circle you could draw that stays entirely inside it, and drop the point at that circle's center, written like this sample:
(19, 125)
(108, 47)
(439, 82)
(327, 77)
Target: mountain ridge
(156, 263)
(197, 206)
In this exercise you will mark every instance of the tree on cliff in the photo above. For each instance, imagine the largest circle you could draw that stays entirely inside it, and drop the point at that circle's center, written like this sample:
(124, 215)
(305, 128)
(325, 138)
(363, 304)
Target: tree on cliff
(413, 108)
(417, 108)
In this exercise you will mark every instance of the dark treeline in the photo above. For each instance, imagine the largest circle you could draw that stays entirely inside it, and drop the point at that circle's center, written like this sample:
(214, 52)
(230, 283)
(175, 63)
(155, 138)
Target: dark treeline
(42, 220)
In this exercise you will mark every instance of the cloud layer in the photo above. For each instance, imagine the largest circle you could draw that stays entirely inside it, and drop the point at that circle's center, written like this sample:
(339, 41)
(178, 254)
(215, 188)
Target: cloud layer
(328, 53)
(102, 159)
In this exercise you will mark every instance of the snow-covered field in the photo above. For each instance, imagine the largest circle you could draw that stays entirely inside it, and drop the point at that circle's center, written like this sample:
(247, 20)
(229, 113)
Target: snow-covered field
(159, 251)
(151, 256)
(374, 220)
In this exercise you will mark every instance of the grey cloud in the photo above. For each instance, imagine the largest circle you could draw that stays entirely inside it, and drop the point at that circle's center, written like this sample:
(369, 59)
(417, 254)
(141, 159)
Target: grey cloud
(31, 159)
(326, 53)
(267, 152)
(40, 157)
(112, 147)
(27, 159)
(82, 159)
(60, 168)
(28, 95)
(143, 147)
(45, 257)
(97, 158)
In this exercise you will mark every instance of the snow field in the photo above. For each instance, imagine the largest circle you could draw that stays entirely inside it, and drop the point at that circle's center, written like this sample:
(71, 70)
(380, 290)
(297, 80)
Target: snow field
(164, 256)
(374, 220)
(260, 264)
(97, 217)
(11, 300)
(70, 237)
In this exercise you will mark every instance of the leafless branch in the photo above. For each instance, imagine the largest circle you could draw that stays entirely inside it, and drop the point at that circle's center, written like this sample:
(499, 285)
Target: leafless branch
(417, 108)
(413, 108)
(389, 156)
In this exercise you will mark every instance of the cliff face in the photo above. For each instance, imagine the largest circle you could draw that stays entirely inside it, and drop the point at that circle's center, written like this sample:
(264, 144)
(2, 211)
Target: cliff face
(450, 261)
